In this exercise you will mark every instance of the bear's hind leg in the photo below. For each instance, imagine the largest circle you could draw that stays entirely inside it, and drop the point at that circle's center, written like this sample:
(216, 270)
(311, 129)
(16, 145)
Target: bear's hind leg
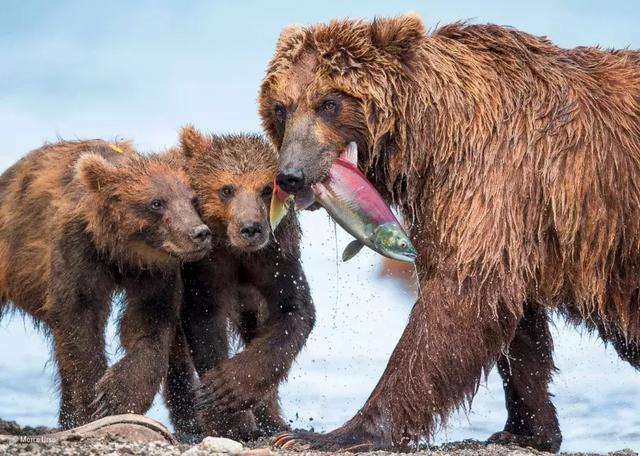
(526, 372)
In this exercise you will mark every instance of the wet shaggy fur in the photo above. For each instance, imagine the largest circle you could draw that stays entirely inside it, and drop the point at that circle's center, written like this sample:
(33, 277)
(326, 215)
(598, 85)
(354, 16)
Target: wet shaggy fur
(75, 228)
(517, 163)
(251, 284)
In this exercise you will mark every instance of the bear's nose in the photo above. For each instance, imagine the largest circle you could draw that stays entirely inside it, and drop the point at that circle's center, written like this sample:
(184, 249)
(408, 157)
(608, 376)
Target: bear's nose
(201, 234)
(251, 231)
(291, 180)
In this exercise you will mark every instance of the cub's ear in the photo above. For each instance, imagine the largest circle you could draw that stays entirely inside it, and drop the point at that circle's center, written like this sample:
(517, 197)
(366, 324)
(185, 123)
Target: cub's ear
(193, 142)
(398, 35)
(95, 172)
(290, 35)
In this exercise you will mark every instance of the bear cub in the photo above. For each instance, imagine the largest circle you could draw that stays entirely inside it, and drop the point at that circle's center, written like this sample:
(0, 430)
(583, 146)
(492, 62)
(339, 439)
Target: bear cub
(81, 222)
(251, 283)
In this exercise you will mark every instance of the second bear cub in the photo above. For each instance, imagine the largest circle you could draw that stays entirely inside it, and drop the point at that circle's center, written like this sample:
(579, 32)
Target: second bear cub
(248, 280)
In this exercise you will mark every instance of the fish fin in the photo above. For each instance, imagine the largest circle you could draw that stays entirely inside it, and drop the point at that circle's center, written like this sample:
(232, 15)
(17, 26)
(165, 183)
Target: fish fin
(352, 250)
(350, 153)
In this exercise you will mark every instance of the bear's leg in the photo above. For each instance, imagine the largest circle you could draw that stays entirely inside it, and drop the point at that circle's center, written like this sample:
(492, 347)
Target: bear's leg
(628, 349)
(147, 329)
(78, 338)
(247, 379)
(179, 392)
(526, 371)
(203, 316)
(268, 414)
(454, 334)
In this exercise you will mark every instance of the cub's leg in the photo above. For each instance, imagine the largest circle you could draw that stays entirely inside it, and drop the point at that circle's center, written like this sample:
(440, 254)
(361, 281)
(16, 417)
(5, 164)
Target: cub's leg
(526, 371)
(251, 376)
(147, 329)
(268, 414)
(203, 315)
(78, 340)
(208, 296)
(78, 300)
(179, 389)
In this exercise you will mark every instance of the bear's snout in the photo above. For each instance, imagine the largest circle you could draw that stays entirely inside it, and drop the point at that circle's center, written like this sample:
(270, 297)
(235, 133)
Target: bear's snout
(252, 231)
(291, 180)
(201, 235)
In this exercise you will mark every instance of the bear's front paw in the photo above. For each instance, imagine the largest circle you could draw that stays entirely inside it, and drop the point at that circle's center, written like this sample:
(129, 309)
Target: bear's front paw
(104, 404)
(227, 390)
(117, 395)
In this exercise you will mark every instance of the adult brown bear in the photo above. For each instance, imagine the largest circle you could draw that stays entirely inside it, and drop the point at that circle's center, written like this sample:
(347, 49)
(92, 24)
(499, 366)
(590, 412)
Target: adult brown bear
(517, 163)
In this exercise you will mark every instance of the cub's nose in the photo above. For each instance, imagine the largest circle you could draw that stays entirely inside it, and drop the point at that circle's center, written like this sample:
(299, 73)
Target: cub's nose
(291, 180)
(251, 231)
(201, 234)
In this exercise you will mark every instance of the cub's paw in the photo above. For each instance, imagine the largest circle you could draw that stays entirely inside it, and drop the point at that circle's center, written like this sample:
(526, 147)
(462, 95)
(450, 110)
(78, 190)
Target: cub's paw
(114, 396)
(229, 390)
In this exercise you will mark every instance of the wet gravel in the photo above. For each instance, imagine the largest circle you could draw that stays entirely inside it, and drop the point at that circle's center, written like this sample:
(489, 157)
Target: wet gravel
(31, 441)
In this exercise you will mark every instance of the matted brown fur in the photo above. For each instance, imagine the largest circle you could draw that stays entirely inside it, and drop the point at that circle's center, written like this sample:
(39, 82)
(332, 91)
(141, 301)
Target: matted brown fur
(517, 163)
(76, 227)
(251, 283)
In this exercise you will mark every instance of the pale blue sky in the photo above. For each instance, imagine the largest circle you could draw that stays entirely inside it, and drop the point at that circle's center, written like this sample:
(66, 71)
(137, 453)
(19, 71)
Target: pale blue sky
(142, 69)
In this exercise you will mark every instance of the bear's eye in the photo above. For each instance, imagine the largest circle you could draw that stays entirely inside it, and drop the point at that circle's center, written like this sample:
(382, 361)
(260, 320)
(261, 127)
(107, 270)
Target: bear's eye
(267, 191)
(195, 202)
(280, 112)
(330, 107)
(156, 205)
(227, 191)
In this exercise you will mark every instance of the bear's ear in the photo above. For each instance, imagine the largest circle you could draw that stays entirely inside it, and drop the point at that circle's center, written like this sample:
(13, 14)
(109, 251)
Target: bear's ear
(193, 142)
(289, 35)
(95, 172)
(398, 35)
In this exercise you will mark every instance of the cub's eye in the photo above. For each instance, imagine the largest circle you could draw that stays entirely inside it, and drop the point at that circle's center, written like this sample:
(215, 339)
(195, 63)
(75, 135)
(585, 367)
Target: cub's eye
(195, 202)
(330, 107)
(280, 112)
(227, 191)
(156, 205)
(267, 191)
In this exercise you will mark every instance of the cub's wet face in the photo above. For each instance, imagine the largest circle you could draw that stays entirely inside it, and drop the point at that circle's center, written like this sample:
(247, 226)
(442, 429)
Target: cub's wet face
(171, 221)
(233, 176)
(153, 205)
(244, 201)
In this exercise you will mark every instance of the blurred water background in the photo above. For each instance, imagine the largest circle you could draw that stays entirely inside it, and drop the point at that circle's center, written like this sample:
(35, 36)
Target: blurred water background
(75, 69)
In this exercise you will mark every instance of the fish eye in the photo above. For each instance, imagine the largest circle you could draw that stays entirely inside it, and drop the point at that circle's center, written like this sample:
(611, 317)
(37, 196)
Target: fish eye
(403, 244)
(227, 191)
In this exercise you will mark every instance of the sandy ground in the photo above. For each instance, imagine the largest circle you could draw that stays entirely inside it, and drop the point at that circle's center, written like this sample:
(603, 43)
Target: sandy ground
(33, 441)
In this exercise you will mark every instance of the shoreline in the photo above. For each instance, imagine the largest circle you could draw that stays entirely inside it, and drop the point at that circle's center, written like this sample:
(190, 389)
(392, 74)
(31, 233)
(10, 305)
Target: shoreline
(16, 439)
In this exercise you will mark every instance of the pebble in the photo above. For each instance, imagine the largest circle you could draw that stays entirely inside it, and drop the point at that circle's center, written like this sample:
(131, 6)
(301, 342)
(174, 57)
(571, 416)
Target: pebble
(215, 445)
